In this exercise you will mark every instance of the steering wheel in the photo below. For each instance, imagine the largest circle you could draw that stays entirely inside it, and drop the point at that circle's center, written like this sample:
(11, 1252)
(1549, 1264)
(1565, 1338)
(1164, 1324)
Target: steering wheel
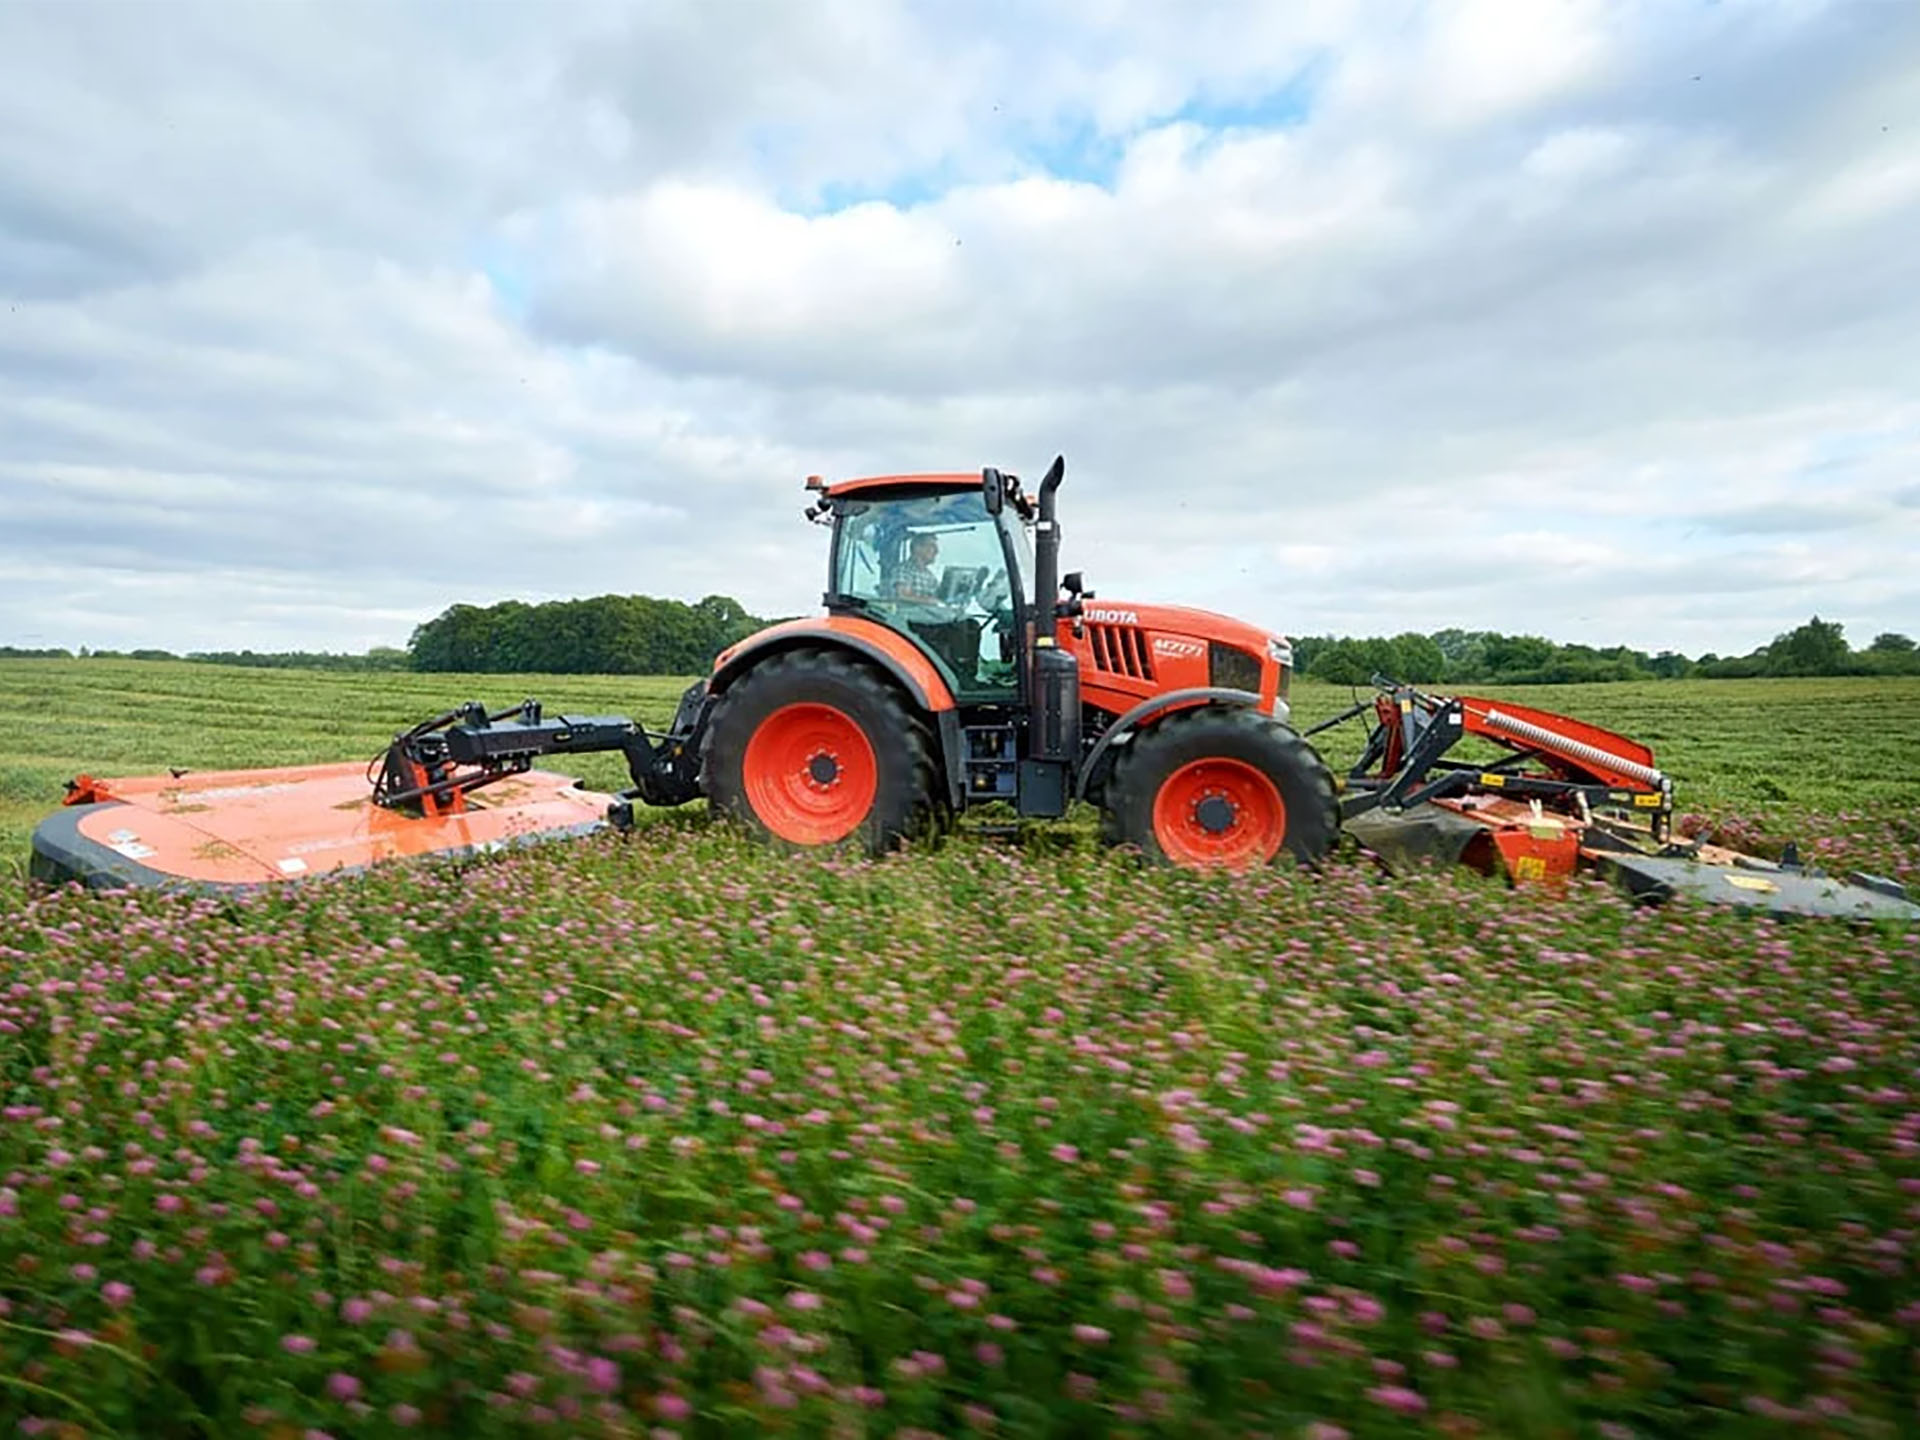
(996, 599)
(927, 608)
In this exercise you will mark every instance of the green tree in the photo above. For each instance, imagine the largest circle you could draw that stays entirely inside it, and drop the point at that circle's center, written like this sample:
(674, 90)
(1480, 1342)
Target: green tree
(1890, 642)
(1465, 651)
(1306, 649)
(1418, 660)
(607, 634)
(1343, 662)
(1516, 654)
(1818, 647)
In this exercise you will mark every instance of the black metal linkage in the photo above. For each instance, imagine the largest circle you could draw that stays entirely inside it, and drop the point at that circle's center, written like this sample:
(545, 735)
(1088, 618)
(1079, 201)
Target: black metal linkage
(1456, 779)
(458, 784)
(1395, 792)
(502, 744)
(1442, 733)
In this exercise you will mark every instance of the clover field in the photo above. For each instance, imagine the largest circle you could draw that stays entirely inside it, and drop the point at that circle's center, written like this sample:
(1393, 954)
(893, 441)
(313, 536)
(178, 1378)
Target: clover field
(669, 1135)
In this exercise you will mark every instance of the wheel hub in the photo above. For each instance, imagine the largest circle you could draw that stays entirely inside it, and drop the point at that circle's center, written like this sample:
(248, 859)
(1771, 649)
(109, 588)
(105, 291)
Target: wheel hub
(809, 773)
(1215, 814)
(1219, 810)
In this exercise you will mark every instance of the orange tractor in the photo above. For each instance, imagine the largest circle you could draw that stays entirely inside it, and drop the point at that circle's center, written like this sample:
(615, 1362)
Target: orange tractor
(948, 673)
(955, 667)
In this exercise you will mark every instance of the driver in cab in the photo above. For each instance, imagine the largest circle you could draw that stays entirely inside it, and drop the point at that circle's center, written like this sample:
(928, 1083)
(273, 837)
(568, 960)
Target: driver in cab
(916, 580)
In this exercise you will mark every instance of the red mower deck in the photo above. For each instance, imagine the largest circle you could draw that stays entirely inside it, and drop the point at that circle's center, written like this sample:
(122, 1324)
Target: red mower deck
(242, 829)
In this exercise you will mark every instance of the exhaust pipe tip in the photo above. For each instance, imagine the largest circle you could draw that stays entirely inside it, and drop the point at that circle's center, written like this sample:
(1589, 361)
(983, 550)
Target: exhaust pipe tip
(1056, 472)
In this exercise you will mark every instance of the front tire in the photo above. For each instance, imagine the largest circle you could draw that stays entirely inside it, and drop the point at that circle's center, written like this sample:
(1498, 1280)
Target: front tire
(812, 748)
(1222, 788)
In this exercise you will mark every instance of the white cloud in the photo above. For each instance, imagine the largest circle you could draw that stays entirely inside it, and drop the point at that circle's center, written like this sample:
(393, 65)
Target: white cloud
(1485, 58)
(1591, 320)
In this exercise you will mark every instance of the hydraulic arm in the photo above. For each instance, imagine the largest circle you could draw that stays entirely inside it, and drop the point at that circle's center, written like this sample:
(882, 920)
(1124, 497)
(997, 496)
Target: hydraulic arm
(439, 762)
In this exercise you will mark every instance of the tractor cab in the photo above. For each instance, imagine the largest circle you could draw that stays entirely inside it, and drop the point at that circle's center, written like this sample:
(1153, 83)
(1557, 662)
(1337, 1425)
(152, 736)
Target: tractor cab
(935, 559)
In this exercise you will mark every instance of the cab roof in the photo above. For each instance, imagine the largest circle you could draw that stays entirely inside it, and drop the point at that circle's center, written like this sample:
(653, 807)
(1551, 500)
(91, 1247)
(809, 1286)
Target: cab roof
(944, 480)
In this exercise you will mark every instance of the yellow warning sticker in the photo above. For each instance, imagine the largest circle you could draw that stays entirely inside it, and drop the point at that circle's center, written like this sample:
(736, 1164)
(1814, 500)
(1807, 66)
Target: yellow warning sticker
(1647, 802)
(1752, 882)
(1529, 867)
(1489, 779)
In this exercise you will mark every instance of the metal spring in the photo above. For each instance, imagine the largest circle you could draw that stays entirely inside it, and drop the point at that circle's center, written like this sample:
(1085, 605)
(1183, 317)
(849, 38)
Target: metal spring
(1575, 749)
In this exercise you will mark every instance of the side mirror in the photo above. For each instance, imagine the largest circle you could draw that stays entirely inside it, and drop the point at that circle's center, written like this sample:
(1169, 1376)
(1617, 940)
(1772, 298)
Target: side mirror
(1074, 583)
(993, 489)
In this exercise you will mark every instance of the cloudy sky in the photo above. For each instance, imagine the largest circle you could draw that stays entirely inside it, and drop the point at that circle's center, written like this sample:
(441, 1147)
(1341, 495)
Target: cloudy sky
(1600, 321)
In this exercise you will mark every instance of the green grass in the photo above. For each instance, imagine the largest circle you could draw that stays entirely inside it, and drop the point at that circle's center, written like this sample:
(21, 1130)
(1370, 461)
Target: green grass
(1780, 748)
(672, 1133)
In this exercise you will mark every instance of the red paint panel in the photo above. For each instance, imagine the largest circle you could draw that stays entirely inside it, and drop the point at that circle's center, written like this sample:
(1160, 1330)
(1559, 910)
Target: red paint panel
(1129, 651)
(1526, 848)
(249, 826)
(1538, 858)
(944, 480)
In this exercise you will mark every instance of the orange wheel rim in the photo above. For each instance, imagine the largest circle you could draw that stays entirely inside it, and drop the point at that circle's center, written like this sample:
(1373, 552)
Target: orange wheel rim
(810, 774)
(1219, 812)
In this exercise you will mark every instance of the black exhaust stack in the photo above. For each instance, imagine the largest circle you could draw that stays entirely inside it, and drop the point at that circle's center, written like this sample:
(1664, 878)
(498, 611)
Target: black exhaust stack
(1054, 739)
(1046, 551)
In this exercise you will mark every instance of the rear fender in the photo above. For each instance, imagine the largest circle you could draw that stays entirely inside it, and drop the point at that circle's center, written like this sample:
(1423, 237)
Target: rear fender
(896, 656)
(1147, 711)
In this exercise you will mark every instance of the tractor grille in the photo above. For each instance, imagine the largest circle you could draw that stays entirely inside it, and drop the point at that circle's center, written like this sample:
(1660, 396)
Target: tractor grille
(1120, 650)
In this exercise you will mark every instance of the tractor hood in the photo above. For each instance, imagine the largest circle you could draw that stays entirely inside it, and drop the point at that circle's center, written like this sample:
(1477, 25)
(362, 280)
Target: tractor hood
(1130, 652)
(1182, 621)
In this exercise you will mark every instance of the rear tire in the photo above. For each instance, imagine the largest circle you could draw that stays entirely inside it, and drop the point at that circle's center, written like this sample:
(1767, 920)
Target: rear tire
(812, 748)
(1221, 788)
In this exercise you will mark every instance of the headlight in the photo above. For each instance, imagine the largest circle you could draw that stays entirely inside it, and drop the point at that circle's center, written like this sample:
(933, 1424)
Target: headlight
(1280, 651)
(1234, 669)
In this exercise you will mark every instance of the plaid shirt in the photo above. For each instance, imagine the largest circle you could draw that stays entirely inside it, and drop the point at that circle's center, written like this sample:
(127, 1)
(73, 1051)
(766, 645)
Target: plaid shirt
(915, 579)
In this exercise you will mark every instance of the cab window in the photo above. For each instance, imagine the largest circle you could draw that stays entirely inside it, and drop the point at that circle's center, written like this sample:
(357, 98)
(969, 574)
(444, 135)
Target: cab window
(934, 567)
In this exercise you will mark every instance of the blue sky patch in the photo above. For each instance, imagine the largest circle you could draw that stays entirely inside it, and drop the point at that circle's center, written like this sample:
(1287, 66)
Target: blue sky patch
(1070, 147)
(1282, 108)
(498, 261)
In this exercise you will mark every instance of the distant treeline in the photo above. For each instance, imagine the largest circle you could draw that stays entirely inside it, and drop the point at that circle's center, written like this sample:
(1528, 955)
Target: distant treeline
(640, 635)
(607, 635)
(379, 658)
(1457, 657)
